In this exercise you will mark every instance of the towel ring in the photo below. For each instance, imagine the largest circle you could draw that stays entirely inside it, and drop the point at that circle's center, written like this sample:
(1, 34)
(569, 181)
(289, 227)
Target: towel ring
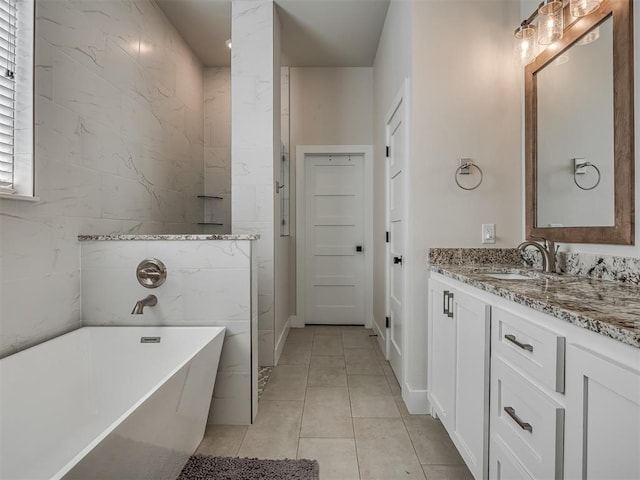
(461, 170)
(582, 165)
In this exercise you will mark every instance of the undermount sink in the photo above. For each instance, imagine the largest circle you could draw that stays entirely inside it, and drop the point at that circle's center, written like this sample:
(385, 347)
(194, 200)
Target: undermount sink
(509, 276)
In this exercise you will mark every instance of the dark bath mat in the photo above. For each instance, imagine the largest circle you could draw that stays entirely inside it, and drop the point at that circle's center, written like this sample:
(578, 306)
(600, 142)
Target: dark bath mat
(205, 467)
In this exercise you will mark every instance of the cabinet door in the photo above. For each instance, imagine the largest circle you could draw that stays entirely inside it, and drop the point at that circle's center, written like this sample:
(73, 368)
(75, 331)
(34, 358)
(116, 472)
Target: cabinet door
(471, 420)
(443, 356)
(603, 417)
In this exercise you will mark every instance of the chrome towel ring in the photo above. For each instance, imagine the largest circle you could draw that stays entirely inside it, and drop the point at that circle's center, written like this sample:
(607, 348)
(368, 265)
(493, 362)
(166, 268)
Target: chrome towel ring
(576, 172)
(464, 169)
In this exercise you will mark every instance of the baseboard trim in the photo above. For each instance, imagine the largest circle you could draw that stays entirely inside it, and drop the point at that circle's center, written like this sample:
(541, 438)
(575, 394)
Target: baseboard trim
(282, 340)
(417, 401)
(296, 321)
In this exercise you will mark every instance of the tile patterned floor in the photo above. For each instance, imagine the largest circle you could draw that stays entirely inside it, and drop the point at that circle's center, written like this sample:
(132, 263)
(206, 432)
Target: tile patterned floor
(263, 377)
(334, 398)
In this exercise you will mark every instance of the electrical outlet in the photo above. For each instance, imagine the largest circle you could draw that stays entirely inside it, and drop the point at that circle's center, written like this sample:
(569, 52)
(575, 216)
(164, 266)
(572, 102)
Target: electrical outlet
(488, 233)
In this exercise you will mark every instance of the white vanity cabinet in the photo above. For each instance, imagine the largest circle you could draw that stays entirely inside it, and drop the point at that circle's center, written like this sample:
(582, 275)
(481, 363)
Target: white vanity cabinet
(459, 392)
(562, 402)
(603, 416)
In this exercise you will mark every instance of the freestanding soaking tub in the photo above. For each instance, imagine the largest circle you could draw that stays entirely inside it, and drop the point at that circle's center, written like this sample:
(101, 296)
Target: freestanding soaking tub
(107, 402)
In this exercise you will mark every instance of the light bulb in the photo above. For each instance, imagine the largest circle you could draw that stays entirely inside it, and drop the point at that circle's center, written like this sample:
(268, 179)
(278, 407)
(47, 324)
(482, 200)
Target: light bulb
(228, 44)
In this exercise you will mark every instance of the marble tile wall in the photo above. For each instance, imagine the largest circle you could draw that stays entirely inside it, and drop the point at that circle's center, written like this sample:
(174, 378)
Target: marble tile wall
(217, 147)
(118, 149)
(208, 283)
(253, 148)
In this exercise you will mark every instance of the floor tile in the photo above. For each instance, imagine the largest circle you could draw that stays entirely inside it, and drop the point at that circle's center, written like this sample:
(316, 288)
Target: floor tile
(327, 361)
(287, 382)
(431, 441)
(365, 405)
(384, 449)
(364, 369)
(360, 355)
(401, 405)
(327, 345)
(327, 413)
(300, 335)
(327, 377)
(447, 472)
(336, 456)
(328, 329)
(358, 339)
(295, 353)
(222, 440)
(369, 384)
(275, 432)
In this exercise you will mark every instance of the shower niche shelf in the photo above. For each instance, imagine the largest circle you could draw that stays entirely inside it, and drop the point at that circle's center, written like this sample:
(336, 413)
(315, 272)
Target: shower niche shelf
(210, 210)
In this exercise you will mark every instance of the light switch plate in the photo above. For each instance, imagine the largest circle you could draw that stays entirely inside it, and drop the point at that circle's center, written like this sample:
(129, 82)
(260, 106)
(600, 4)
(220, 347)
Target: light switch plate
(488, 233)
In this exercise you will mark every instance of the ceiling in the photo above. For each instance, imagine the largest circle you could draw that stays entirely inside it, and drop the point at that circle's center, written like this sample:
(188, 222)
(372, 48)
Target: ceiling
(318, 33)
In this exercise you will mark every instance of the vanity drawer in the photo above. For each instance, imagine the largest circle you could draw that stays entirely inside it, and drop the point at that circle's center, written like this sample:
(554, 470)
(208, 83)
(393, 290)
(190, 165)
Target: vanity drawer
(527, 420)
(528, 347)
(503, 465)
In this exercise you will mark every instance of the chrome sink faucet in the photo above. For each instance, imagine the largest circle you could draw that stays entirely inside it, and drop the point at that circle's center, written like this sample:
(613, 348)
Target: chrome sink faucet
(548, 251)
(148, 301)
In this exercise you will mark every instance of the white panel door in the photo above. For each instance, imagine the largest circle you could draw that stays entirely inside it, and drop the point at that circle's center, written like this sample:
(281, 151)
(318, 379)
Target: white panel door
(334, 214)
(396, 217)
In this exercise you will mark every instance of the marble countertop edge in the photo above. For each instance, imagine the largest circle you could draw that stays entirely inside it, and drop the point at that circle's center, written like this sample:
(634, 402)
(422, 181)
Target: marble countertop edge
(612, 328)
(173, 237)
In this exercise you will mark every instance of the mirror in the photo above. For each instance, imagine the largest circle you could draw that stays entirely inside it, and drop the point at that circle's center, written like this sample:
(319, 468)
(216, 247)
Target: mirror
(579, 132)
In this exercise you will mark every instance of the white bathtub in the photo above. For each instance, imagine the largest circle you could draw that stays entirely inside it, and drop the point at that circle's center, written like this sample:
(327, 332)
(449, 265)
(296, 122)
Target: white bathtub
(98, 403)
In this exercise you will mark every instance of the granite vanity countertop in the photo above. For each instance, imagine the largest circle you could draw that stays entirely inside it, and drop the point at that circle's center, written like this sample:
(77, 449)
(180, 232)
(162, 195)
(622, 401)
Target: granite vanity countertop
(178, 237)
(607, 307)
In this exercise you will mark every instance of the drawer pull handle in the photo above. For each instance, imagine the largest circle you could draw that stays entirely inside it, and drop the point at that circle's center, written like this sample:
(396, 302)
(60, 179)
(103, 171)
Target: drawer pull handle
(449, 309)
(445, 297)
(523, 425)
(524, 346)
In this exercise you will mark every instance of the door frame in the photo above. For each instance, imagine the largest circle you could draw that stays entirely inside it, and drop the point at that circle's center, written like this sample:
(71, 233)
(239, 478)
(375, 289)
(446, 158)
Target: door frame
(301, 265)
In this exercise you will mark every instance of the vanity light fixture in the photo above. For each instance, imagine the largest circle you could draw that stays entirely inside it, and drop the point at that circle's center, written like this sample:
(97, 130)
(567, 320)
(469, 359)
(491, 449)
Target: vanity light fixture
(550, 26)
(580, 8)
(550, 22)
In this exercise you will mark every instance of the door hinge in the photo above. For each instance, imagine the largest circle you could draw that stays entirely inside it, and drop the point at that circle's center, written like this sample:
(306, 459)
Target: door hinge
(388, 322)
(388, 151)
(387, 236)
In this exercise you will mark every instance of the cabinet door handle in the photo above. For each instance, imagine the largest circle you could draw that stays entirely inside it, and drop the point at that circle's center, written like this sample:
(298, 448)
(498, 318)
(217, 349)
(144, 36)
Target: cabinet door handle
(523, 425)
(449, 309)
(524, 346)
(445, 297)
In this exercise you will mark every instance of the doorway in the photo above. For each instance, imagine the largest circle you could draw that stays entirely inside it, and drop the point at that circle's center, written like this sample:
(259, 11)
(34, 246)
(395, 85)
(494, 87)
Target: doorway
(334, 235)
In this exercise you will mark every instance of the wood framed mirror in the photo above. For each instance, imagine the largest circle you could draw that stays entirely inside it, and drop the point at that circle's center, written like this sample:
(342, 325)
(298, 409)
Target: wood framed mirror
(579, 131)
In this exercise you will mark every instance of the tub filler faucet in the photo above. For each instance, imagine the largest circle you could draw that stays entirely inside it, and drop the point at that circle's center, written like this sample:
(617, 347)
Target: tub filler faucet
(148, 301)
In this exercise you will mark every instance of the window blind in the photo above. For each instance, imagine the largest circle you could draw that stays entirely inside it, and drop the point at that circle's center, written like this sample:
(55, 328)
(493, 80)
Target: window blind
(7, 91)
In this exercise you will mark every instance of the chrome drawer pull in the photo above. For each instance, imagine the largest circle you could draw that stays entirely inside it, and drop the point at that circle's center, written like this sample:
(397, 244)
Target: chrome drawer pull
(449, 310)
(523, 425)
(445, 297)
(524, 346)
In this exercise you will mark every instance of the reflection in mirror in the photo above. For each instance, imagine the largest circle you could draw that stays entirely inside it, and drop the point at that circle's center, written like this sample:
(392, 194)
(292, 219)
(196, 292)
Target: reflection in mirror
(575, 144)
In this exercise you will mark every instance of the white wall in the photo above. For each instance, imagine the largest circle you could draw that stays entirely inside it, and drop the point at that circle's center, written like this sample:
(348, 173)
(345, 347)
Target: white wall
(255, 143)
(217, 148)
(208, 283)
(118, 150)
(328, 106)
(527, 7)
(466, 103)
